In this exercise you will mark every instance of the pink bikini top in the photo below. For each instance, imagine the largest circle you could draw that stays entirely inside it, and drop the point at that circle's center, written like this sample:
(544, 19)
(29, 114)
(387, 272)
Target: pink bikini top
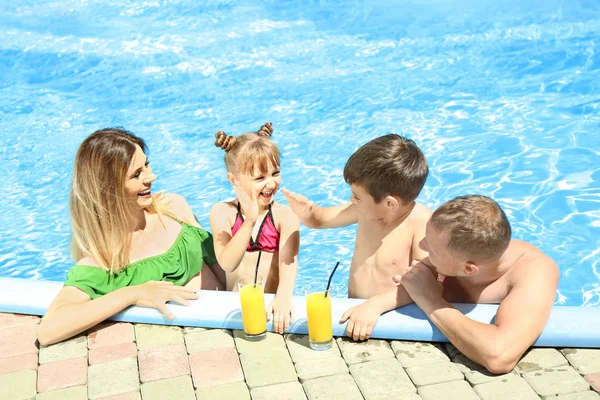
(267, 239)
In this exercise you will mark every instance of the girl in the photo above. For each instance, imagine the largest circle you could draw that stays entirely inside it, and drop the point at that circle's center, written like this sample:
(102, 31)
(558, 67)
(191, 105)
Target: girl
(131, 246)
(253, 225)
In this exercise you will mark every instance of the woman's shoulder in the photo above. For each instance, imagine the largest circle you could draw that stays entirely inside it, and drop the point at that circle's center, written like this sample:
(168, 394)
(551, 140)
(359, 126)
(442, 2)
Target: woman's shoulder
(175, 202)
(179, 207)
(88, 261)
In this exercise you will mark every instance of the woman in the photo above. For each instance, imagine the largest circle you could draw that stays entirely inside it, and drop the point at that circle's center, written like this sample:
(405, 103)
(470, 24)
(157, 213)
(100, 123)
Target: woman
(132, 247)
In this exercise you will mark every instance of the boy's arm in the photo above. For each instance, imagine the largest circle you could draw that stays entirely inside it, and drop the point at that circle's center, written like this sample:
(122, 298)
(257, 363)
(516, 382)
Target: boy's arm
(520, 318)
(363, 318)
(282, 306)
(317, 217)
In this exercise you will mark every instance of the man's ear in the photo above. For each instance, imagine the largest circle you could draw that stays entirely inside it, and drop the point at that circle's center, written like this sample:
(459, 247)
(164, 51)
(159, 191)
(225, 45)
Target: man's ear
(392, 202)
(471, 268)
(231, 178)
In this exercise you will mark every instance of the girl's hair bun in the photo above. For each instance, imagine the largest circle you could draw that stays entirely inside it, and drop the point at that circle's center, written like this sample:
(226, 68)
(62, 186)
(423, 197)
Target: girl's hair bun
(224, 141)
(266, 130)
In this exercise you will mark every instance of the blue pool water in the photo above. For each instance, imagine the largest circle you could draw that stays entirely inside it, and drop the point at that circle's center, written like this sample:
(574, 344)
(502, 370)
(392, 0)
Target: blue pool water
(502, 98)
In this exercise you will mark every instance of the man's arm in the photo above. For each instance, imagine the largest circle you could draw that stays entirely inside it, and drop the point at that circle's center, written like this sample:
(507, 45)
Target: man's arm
(520, 318)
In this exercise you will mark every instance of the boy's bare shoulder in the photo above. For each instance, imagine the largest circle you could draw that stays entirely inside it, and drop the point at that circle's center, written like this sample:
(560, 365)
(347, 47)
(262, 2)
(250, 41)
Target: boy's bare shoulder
(420, 213)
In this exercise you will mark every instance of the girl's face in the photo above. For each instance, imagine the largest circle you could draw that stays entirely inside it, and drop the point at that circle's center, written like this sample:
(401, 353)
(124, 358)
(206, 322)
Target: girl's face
(266, 184)
(139, 180)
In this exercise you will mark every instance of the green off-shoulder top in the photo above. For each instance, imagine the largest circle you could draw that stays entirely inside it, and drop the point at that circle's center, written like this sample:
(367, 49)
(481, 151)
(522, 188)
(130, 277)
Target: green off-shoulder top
(178, 265)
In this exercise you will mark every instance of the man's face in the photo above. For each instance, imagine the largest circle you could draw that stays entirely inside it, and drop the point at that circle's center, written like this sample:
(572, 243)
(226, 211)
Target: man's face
(435, 243)
(366, 203)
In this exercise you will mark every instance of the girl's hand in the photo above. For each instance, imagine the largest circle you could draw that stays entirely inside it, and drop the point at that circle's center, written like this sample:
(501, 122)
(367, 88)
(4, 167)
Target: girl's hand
(282, 310)
(248, 204)
(156, 294)
(299, 204)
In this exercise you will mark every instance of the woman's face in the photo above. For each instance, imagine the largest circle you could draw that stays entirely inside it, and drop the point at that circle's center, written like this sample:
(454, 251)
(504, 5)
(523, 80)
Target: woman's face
(139, 179)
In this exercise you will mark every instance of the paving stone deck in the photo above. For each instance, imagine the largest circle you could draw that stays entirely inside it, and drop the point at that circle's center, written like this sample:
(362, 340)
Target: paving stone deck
(123, 361)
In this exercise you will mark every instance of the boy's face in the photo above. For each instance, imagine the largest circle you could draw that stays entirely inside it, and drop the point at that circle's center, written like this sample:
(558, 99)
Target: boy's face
(366, 203)
(435, 243)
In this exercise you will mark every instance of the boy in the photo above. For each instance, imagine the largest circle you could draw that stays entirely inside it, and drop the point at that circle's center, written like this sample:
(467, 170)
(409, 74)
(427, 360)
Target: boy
(386, 175)
(469, 243)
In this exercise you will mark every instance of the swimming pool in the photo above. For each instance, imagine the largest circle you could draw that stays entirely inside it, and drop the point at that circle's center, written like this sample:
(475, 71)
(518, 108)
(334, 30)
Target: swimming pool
(502, 98)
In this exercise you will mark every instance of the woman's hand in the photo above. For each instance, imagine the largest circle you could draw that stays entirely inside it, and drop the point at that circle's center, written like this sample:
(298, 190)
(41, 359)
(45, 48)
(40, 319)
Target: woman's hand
(156, 294)
(282, 311)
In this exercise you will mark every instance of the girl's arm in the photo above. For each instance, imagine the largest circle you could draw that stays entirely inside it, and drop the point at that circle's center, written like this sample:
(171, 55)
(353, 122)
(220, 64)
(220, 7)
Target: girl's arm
(72, 311)
(231, 250)
(282, 306)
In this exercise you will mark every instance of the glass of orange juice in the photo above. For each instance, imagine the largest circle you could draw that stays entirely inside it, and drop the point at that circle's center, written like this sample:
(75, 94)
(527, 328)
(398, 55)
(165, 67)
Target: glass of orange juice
(252, 297)
(320, 328)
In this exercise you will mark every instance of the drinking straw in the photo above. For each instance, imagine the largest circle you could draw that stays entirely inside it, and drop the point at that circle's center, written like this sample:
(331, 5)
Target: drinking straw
(256, 272)
(330, 277)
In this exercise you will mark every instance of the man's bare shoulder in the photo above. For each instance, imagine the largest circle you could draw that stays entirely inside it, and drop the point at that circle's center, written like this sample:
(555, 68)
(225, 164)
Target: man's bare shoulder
(531, 265)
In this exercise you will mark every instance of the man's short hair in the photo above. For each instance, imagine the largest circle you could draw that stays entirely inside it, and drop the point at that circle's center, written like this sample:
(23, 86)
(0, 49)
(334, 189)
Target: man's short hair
(476, 225)
(389, 165)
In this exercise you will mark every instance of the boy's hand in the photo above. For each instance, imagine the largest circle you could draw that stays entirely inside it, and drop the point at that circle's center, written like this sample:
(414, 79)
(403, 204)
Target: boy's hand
(361, 321)
(157, 293)
(299, 204)
(282, 310)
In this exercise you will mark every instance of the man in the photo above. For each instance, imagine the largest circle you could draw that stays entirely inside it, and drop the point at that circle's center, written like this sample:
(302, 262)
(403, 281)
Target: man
(475, 261)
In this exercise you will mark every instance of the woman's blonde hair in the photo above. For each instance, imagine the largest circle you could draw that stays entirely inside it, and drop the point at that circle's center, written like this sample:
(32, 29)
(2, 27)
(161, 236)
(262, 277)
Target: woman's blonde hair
(101, 217)
(250, 151)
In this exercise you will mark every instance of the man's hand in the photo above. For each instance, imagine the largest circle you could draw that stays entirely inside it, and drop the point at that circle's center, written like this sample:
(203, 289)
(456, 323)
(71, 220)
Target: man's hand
(299, 204)
(361, 321)
(420, 283)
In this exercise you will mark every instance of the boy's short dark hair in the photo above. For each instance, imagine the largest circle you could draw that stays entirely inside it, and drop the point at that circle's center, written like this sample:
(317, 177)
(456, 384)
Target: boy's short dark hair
(390, 165)
(476, 225)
